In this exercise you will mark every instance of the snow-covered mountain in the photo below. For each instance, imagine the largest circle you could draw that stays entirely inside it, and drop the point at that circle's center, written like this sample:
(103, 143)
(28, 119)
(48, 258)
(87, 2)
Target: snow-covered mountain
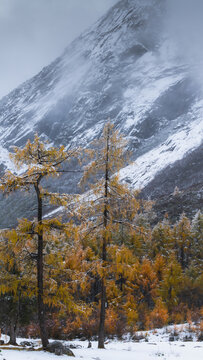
(125, 67)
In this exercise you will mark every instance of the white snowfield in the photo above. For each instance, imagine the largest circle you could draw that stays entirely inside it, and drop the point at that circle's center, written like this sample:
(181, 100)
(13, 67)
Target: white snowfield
(120, 351)
(157, 347)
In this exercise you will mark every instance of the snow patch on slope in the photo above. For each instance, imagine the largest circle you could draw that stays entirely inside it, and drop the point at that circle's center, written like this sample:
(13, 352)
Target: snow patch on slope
(144, 169)
(149, 82)
(5, 159)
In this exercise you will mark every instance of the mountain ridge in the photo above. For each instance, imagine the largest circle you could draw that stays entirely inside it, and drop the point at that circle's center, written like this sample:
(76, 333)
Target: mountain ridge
(124, 67)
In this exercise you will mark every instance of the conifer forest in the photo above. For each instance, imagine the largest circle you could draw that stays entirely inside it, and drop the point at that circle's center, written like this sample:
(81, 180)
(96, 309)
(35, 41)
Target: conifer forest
(102, 267)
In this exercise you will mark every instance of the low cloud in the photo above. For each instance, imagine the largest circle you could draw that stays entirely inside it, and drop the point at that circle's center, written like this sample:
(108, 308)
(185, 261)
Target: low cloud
(33, 33)
(186, 27)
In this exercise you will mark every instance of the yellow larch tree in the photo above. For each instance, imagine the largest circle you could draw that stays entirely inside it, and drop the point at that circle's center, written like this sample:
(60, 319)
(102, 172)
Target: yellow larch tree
(108, 207)
(16, 279)
(39, 161)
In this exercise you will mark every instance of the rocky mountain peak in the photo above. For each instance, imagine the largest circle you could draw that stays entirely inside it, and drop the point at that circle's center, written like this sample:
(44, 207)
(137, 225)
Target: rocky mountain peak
(124, 67)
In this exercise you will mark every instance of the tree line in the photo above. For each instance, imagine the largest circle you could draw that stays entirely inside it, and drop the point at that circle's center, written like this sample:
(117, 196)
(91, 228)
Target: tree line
(105, 270)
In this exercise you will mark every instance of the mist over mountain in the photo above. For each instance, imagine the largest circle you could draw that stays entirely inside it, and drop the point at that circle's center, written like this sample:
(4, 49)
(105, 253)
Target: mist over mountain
(137, 67)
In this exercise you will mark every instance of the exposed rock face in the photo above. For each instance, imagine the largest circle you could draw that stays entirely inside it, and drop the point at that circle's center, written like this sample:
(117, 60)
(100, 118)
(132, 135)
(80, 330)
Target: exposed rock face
(27, 343)
(125, 68)
(174, 205)
(179, 188)
(57, 348)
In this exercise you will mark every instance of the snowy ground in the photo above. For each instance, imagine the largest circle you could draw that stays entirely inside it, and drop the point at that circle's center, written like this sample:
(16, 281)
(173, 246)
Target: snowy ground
(120, 351)
(157, 347)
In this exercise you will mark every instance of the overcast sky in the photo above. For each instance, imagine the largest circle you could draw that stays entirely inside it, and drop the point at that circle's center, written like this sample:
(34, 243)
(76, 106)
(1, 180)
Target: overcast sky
(34, 32)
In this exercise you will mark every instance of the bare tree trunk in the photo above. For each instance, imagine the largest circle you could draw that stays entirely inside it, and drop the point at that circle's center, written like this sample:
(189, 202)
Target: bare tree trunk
(101, 338)
(12, 331)
(40, 284)
(102, 316)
